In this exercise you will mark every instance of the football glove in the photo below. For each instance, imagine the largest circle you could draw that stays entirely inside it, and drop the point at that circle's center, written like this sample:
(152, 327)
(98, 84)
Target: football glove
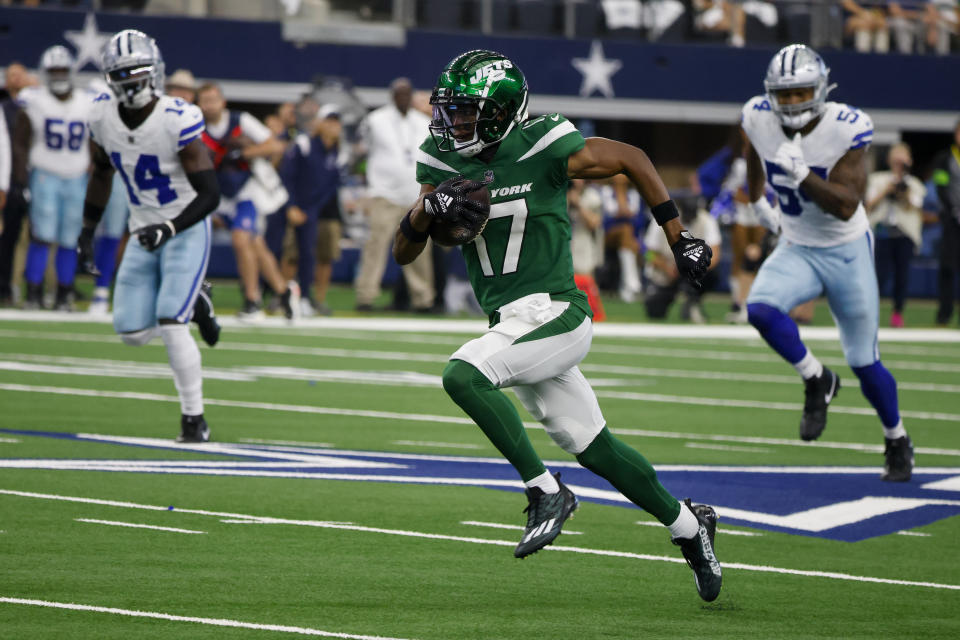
(85, 258)
(693, 257)
(152, 237)
(789, 157)
(767, 214)
(450, 203)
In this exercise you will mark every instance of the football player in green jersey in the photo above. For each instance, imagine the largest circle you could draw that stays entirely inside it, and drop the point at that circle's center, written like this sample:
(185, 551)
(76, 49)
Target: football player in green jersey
(521, 270)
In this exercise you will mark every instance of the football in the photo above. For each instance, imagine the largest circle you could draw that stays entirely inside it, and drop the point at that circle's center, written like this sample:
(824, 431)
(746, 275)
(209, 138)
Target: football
(449, 235)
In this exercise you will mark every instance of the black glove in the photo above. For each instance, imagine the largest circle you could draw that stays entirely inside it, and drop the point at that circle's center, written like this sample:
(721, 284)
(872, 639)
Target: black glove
(153, 236)
(449, 203)
(693, 257)
(85, 259)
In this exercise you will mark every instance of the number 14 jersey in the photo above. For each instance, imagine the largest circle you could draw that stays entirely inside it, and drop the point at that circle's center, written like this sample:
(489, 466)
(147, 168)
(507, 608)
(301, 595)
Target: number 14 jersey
(146, 157)
(841, 129)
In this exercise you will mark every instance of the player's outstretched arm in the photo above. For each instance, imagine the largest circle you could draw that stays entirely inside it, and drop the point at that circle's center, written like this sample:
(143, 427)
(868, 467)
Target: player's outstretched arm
(603, 158)
(840, 194)
(411, 236)
(99, 187)
(768, 215)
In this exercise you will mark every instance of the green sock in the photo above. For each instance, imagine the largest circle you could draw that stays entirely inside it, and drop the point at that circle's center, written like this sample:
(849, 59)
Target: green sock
(627, 470)
(492, 410)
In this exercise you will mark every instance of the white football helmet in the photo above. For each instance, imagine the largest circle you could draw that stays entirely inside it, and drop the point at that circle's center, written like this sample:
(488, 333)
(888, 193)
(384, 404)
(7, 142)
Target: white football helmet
(133, 68)
(57, 69)
(797, 66)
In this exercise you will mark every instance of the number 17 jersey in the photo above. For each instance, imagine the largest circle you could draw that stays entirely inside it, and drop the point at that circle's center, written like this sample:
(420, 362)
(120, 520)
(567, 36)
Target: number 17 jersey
(842, 128)
(525, 247)
(146, 157)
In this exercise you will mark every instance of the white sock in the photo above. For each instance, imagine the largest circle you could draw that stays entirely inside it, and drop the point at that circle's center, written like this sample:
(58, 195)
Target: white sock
(545, 482)
(629, 273)
(184, 359)
(894, 432)
(686, 525)
(809, 366)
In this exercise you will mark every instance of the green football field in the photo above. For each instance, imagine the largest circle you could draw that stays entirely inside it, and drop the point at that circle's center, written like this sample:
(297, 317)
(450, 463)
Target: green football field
(344, 495)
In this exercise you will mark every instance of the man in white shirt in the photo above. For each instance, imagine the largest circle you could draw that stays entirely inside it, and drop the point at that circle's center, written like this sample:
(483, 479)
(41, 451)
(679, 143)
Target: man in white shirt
(392, 135)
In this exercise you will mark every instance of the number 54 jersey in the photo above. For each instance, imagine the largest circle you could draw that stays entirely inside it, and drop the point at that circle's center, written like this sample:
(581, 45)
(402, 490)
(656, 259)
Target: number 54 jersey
(146, 157)
(841, 129)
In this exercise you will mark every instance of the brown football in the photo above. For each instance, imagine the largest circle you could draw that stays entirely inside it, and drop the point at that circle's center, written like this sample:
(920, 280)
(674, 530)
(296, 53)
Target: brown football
(449, 235)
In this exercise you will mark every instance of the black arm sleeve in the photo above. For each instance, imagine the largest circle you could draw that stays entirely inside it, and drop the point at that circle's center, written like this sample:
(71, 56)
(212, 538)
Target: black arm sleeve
(208, 198)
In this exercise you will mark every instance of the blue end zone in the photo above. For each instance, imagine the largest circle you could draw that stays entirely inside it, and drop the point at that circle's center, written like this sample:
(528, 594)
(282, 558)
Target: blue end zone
(852, 503)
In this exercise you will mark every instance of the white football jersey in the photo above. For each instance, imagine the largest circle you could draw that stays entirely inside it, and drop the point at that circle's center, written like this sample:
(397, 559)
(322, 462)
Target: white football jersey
(841, 128)
(146, 157)
(59, 130)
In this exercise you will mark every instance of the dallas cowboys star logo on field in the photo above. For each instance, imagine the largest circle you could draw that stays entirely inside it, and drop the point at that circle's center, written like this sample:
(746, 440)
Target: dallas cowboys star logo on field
(597, 71)
(88, 42)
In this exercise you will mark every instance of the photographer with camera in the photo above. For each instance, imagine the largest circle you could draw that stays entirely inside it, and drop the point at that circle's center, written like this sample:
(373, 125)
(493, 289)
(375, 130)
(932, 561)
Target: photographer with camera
(893, 202)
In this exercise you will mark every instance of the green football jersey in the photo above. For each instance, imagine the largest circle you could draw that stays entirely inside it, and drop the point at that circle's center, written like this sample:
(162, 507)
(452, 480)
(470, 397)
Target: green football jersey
(525, 247)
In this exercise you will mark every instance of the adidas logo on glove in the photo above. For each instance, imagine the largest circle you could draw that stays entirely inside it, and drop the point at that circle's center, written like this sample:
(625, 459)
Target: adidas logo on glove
(443, 201)
(694, 253)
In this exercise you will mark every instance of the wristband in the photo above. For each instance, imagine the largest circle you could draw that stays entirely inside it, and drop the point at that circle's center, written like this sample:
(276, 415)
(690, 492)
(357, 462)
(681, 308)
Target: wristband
(665, 212)
(411, 234)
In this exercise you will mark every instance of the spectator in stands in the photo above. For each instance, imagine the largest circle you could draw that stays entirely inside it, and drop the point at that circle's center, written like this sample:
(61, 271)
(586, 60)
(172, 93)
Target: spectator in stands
(391, 137)
(181, 84)
(946, 176)
(868, 26)
(312, 177)
(941, 19)
(893, 201)
(585, 208)
(663, 280)
(721, 16)
(15, 206)
(251, 190)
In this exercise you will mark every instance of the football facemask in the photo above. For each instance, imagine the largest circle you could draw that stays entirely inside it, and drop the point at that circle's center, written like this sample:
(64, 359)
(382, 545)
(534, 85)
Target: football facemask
(478, 99)
(133, 68)
(794, 67)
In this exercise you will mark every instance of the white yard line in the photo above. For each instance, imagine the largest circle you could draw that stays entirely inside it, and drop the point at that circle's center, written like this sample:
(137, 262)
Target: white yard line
(504, 543)
(417, 417)
(724, 447)
(132, 525)
(918, 534)
(439, 445)
(134, 369)
(696, 354)
(478, 326)
(217, 622)
(758, 404)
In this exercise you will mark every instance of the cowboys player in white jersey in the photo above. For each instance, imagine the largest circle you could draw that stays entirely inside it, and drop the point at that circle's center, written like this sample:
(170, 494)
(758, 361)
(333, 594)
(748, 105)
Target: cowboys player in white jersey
(50, 140)
(153, 142)
(812, 153)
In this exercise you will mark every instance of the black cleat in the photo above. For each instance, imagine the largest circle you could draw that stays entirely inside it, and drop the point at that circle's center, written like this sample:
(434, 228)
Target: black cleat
(290, 301)
(898, 459)
(65, 298)
(819, 392)
(193, 429)
(34, 298)
(204, 315)
(698, 551)
(546, 514)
